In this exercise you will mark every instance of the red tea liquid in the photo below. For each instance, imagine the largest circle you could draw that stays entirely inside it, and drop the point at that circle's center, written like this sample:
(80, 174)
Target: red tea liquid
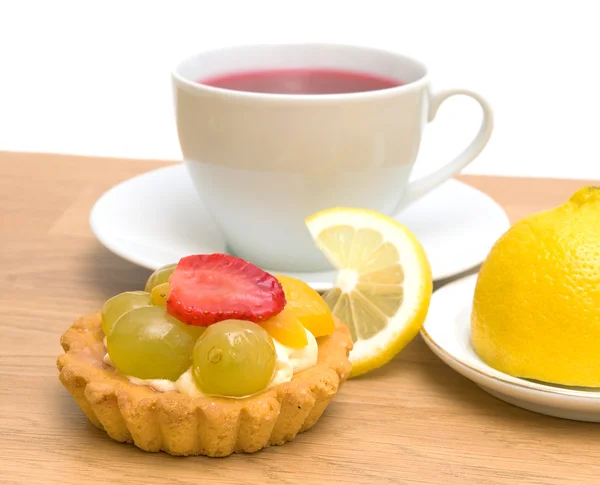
(302, 81)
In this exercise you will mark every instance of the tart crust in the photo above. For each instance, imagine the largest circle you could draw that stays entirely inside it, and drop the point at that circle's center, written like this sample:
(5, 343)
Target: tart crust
(182, 425)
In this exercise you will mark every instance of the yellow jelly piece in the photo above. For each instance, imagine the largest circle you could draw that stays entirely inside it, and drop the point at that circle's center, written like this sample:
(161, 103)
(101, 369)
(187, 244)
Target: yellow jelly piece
(286, 329)
(160, 294)
(308, 306)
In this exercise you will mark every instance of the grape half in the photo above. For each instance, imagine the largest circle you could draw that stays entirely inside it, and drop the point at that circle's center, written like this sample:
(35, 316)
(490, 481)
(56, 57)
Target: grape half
(120, 304)
(233, 358)
(161, 275)
(148, 343)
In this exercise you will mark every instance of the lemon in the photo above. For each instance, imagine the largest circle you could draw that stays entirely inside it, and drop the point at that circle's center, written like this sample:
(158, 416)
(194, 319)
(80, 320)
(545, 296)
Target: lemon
(383, 285)
(536, 307)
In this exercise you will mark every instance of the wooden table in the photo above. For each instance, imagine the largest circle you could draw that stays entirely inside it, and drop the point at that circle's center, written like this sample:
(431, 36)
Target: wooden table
(415, 421)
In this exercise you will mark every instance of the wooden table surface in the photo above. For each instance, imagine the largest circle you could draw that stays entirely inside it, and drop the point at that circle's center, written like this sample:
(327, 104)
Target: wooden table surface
(415, 421)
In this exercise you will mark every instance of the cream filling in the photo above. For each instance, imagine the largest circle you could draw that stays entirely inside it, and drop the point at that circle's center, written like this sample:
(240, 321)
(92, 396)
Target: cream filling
(289, 362)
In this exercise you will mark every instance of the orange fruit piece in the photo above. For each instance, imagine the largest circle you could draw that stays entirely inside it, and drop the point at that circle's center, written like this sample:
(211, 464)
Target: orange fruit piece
(308, 306)
(286, 328)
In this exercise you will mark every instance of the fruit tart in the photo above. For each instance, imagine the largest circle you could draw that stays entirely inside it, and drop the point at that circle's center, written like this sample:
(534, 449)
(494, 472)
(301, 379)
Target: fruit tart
(215, 356)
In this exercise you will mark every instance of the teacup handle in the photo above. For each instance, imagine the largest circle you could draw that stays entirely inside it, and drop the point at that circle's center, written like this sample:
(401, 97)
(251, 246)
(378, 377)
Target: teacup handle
(420, 187)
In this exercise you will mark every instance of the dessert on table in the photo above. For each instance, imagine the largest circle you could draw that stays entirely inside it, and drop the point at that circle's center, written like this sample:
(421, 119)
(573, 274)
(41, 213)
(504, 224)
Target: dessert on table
(210, 359)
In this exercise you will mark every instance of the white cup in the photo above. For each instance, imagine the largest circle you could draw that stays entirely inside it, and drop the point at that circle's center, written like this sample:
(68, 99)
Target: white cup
(262, 163)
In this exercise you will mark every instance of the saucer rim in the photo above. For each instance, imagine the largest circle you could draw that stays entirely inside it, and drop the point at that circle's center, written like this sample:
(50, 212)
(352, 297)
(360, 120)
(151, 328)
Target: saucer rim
(98, 233)
(110, 243)
(460, 286)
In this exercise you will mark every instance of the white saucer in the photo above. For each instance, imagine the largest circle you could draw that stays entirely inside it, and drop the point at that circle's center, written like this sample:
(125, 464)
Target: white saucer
(447, 331)
(156, 218)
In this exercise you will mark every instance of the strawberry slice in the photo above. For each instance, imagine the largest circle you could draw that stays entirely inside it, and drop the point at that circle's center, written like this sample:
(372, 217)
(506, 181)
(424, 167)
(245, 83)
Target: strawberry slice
(208, 288)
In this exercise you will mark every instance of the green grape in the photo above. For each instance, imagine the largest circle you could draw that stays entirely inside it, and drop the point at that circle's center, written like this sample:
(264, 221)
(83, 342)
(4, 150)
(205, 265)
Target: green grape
(120, 304)
(233, 358)
(161, 275)
(148, 343)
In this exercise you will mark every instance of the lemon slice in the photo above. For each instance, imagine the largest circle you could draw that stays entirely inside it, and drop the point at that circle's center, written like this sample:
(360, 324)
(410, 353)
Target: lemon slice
(384, 283)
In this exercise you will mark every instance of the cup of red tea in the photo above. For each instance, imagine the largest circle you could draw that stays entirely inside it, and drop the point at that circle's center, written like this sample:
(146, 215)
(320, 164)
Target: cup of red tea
(271, 134)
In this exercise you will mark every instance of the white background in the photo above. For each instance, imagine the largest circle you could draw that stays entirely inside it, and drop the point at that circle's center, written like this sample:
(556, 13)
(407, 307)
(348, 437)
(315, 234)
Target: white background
(92, 77)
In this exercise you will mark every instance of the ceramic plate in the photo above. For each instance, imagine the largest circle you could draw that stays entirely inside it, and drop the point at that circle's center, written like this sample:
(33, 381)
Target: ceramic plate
(156, 218)
(447, 332)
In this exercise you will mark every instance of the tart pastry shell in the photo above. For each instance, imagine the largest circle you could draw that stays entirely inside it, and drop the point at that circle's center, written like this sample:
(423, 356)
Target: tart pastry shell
(182, 425)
